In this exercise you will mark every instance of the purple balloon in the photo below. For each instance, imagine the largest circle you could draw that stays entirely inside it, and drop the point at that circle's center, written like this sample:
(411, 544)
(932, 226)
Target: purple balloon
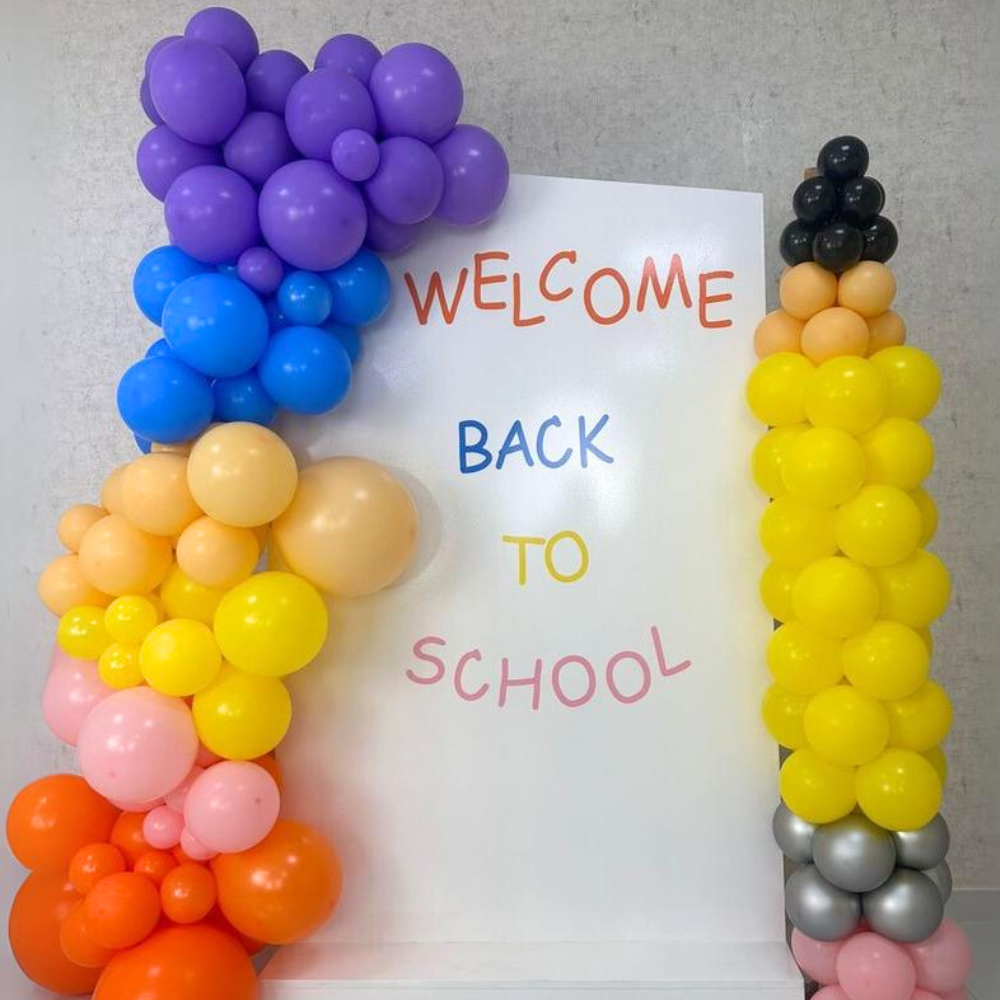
(261, 269)
(258, 146)
(384, 236)
(156, 49)
(351, 53)
(163, 156)
(417, 92)
(270, 78)
(146, 100)
(198, 90)
(321, 105)
(476, 174)
(228, 30)
(355, 154)
(311, 216)
(211, 214)
(409, 182)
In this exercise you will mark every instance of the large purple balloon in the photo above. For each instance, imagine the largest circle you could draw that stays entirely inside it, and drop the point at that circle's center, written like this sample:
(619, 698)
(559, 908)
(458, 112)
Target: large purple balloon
(146, 100)
(417, 92)
(227, 29)
(351, 53)
(198, 90)
(321, 105)
(270, 78)
(163, 156)
(476, 174)
(155, 50)
(384, 236)
(258, 146)
(408, 184)
(211, 214)
(311, 216)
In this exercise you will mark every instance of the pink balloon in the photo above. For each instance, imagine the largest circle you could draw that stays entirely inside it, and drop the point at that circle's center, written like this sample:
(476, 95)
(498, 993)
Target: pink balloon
(831, 993)
(944, 960)
(176, 798)
(194, 848)
(960, 994)
(136, 807)
(817, 959)
(871, 967)
(232, 806)
(162, 828)
(925, 995)
(137, 744)
(73, 688)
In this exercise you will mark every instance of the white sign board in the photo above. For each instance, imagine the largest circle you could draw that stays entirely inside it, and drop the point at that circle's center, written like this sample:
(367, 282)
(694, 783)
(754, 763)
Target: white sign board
(548, 731)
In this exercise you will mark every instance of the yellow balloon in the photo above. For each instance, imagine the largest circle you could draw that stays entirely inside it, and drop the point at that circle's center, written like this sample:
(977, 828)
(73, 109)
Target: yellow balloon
(74, 523)
(816, 790)
(846, 726)
(782, 712)
(119, 666)
(847, 393)
(155, 494)
(836, 597)
(804, 662)
(183, 598)
(921, 720)
(928, 514)
(937, 759)
(823, 467)
(217, 554)
(81, 632)
(776, 584)
(887, 661)
(242, 716)
(180, 657)
(899, 790)
(914, 381)
(768, 456)
(927, 639)
(272, 624)
(794, 533)
(914, 591)
(879, 527)
(898, 452)
(131, 618)
(63, 586)
(776, 386)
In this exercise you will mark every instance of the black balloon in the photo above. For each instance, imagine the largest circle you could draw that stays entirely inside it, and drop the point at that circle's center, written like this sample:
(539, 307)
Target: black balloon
(860, 200)
(880, 239)
(838, 247)
(815, 201)
(796, 243)
(843, 158)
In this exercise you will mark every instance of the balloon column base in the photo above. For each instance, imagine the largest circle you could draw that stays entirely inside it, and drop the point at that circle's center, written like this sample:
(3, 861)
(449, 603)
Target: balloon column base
(534, 971)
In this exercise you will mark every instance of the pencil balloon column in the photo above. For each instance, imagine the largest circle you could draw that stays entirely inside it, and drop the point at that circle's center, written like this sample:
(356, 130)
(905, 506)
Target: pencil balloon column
(853, 589)
(168, 861)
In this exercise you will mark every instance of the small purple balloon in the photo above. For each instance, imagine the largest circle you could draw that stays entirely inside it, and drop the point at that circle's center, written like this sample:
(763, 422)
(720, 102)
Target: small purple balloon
(258, 146)
(311, 217)
(417, 92)
(409, 182)
(270, 78)
(228, 30)
(163, 156)
(351, 53)
(211, 214)
(156, 49)
(321, 105)
(261, 269)
(476, 174)
(388, 237)
(355, 154)
(146, 100)
(198, 90)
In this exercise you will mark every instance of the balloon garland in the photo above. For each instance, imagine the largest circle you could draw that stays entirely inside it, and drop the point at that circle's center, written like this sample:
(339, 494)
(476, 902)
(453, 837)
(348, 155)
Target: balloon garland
(853, 589)
(167, 863)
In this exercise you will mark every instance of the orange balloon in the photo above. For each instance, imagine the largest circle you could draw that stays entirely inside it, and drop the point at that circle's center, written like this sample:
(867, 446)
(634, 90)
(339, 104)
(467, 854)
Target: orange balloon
(217, 919)
(806, 289)
(155, 865)
(284, 888)
(111, 491)
(122, 910)
(92, 863)
(118, 558)
(63, 586)
(833, 333)
(127, 836)
(886, 330)
(270, 764)
(52, 818)
(183, 858)
(188, 894)
(43, 902)
(77, 944)
(155, 494)
(776, 332)
(75, 522)
(867, 288)
(217, 555)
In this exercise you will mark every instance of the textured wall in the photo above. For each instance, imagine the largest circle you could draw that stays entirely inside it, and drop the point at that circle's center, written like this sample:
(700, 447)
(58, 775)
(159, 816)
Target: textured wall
(712, 94)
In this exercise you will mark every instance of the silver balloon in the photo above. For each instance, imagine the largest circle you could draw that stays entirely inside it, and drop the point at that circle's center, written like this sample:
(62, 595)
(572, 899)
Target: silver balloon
(818, 909)
(907, 908)
(793, 835)
(854, 853)
(940, 875)
(923, 848)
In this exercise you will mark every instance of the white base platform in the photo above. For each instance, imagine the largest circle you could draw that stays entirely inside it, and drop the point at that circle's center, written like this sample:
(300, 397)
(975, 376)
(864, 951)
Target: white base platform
(542, 971)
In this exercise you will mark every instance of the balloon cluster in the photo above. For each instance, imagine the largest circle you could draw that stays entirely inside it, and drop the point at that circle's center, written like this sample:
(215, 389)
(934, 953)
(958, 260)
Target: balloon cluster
(837, 212)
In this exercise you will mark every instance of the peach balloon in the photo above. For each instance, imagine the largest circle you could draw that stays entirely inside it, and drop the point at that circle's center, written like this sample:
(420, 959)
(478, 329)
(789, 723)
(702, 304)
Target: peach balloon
(833, 333)
(75, 522)
(868, 288)
(155, 494)
(777, 332)
(118, 558)
(351, 529)
(62, 586)
(242, 474)
(180, 448)
(806, 289)
(216, 554)
(111, 491)
(886, 330)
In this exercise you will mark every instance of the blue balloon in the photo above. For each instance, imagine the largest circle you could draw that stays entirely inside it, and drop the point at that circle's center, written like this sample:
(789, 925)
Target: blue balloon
(158, 274)
(144, 446)
(243, 397)
(227, 269)
(275, 317)
(305, 369)
(163, 400)
(348, 337)
(159, 349)
(215, 324)
(305, 298)
(360, 288)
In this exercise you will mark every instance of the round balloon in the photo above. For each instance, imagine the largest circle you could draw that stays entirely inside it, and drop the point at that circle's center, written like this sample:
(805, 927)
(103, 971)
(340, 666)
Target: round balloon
(163, 400)
(854, 854)
(793, 834)
(819, 909)
(305, 370)
(907, 907)
(324, 103)
(924, 847)
(72, 689)
(270, 78)
(157, 275)
(352, 53)
(476, 175)
(228, 30)
(232, 806)
(360, 290)
(162, 156)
